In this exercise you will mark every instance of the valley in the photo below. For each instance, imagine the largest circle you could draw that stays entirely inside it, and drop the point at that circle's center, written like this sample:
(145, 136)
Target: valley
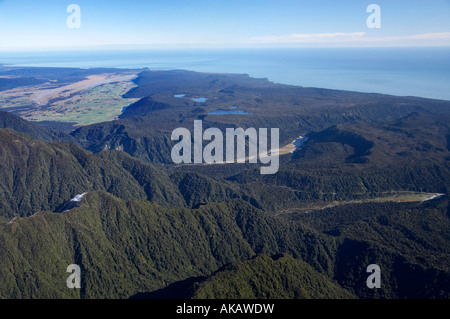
(396, 197)
(363, 178)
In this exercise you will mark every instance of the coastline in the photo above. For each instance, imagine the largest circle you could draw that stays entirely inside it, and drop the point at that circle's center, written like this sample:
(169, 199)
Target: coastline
(418, 72)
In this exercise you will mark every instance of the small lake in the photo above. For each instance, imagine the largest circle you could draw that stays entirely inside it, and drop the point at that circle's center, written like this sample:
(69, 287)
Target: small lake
(179, 96)
(200, 99)
(224, 112)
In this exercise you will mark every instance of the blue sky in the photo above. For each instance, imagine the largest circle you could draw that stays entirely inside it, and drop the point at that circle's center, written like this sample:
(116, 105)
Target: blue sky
(32, 24)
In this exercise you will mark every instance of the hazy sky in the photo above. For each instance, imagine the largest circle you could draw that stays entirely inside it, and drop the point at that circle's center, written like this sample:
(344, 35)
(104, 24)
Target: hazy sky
(37, 24)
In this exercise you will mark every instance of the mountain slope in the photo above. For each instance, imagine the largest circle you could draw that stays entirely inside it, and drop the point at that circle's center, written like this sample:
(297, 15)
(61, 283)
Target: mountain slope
(150, 229)
(127, 247)
(36, 176)
(410, 241)
(262, 277)
(14, 122)
(121, 246)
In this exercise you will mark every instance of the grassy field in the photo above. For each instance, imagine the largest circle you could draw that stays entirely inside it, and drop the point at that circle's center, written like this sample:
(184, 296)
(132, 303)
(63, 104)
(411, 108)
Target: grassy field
(397, 197)
(99, 104)
(94, 100)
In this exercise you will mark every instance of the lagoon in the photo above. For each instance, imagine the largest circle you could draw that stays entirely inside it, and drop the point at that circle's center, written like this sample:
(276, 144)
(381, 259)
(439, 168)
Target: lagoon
(225, 112)
(200, 99)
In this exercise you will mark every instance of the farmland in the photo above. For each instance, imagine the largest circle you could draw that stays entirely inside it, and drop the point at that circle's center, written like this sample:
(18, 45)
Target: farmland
(97, 98)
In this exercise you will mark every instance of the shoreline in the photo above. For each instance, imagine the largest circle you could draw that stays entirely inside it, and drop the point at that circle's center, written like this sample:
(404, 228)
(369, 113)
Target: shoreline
(323, 72)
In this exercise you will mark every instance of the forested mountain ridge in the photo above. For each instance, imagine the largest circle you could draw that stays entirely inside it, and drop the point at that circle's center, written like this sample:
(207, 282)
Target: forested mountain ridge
(369, 186)
(39, 176)
(11, 121)
(127, 247)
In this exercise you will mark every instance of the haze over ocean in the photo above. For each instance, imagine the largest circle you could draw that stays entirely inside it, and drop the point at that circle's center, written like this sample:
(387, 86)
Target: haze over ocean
(423, 72)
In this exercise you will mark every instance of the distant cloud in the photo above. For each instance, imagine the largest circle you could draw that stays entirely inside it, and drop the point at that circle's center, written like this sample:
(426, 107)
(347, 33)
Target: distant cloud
(436, 38)
(431, 36)
(308, 37)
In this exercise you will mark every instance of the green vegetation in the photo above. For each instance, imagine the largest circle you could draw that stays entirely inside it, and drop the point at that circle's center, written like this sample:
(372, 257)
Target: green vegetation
(61, 97)
(126, 247)
(265, 278)
(98, 104)
(352, 196)
(17, 124)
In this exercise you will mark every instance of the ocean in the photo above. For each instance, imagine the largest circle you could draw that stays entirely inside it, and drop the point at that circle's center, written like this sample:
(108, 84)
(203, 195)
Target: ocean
(423, 72)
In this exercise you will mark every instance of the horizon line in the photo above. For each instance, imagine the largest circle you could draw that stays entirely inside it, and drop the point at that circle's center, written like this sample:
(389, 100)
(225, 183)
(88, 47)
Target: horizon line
(133, 47)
